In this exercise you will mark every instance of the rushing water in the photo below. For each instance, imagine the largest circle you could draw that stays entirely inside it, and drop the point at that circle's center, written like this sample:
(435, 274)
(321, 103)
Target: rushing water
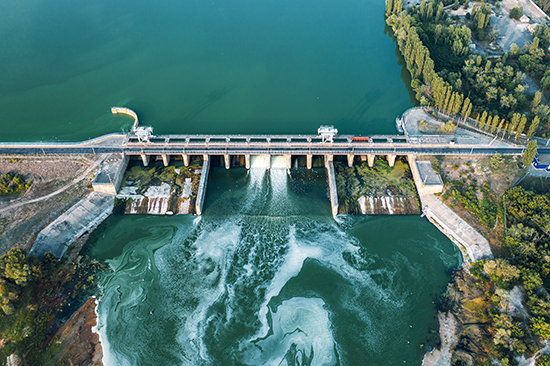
(267, 277)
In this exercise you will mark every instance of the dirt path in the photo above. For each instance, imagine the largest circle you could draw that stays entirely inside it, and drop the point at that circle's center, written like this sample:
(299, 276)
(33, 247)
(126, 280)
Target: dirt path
(93, 166)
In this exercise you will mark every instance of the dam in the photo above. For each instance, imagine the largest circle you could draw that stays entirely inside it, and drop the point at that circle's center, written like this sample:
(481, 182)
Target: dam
(326, 145)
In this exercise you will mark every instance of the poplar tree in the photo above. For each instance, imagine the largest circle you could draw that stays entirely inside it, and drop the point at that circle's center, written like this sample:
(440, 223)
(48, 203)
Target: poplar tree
(423, 9)
(447, 97)
(439, 11)
(529, 153)
(468, 112)
(458, 104)
(397, 6)
(499, 127)
(389, 6)
(495, 124)
(482, 120)
(536, 100)
(534, 127)
(521, 126)
(430, 11)
(465, 107)
(450, 107)
(515, 122)
(489, 123)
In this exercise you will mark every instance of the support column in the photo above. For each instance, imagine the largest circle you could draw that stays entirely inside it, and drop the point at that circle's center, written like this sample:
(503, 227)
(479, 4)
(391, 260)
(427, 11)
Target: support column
(268, 162)
(328, 159)
(185, 159)
(350, 160)
(145, 159)
(391, 159)
(288, 161)
(227, 161)
(309, 161)
(332, 186)
(370, 158)
(166, 159)
(202, 185)
(247, 161)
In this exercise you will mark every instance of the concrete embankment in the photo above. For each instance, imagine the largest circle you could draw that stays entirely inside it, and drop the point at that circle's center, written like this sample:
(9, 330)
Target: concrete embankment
(83, 217)
(473, 245)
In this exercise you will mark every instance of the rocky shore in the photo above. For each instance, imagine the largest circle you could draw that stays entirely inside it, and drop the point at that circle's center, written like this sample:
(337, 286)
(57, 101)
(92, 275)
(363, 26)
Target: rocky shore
(75, 342)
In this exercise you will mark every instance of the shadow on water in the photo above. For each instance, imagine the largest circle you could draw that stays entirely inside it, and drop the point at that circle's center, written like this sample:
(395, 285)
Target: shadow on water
(206, 102)
(405, 75)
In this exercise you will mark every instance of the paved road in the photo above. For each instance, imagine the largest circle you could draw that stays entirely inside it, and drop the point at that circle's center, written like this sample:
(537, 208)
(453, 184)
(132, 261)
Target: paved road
(399, 149)
(260, 148)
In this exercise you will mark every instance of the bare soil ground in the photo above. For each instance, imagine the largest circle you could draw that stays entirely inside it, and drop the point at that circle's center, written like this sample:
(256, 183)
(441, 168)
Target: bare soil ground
(48, 174)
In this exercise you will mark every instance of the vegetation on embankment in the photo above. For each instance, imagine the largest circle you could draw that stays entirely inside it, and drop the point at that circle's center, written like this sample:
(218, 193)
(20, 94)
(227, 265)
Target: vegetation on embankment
(381, 185)
(36, 296)
(13, 184)
(447, 75)
(139, 179)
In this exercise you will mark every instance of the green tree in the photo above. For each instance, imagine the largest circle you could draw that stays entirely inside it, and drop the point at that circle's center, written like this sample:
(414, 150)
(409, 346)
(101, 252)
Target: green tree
(534, 46)
(496, 162)
(501, 271)
(482, 119)
(515, 122)
(540, 327)
(438, 29)
(495, 123)
(389, 7)
(499, 127)
(489, 122)
(543, 34)
(534, 127)
(529, 153)
(521, 126)
(516, 12)
(15, 267)
(536, 100)
(514, 50)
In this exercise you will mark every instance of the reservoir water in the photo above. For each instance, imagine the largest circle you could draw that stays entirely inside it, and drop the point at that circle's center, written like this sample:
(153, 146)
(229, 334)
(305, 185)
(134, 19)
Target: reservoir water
(196, 66)
(266, 276)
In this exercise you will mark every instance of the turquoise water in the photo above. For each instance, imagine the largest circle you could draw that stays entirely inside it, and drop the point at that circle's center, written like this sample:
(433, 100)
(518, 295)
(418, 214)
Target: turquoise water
(267, 277)
(196, 67)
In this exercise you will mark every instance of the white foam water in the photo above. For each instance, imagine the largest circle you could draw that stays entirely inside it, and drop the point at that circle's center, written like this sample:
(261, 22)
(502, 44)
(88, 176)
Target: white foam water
(300, 335)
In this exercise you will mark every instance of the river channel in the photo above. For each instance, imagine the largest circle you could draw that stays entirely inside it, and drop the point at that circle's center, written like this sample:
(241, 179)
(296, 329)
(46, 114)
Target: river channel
(266, 276)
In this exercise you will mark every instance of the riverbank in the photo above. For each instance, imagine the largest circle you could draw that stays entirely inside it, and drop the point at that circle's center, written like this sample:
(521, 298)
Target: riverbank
(75, 342)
